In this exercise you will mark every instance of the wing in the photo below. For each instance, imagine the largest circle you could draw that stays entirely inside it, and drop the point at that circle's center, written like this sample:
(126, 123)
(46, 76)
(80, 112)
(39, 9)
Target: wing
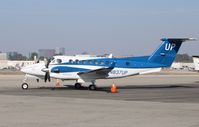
(95, 74)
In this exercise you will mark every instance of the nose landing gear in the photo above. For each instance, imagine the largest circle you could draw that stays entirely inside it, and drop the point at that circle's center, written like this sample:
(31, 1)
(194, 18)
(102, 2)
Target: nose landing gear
(24, 86)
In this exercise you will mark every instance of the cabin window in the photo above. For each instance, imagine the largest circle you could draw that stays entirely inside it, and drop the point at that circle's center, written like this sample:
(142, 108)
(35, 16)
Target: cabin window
(89, 62)
(83, 61)
(96, 62)
(77, 61)
(101, 63)
(70, 61)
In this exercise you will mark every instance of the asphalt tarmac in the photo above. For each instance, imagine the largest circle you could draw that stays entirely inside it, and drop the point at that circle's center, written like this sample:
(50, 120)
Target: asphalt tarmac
(149, 100)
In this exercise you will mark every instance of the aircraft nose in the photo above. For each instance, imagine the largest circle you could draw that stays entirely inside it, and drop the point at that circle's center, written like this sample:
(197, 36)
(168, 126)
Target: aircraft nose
(34, 69)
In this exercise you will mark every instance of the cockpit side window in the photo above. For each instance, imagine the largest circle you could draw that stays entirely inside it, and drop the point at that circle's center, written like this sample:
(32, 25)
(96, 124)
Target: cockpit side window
(70, 61)
(59, 61)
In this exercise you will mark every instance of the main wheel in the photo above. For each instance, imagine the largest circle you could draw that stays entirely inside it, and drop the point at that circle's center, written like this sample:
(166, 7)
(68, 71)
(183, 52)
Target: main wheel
(24, 86)
(78, 85)
(92, 87)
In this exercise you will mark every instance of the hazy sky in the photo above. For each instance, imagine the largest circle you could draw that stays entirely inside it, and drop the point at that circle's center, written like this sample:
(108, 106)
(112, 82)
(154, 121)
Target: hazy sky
(121, 27)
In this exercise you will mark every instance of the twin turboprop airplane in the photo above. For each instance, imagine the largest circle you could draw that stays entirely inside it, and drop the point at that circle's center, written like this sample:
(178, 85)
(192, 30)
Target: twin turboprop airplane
(89, 69)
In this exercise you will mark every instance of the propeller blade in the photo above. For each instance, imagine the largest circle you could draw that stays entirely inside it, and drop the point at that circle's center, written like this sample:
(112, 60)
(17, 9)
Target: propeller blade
(48, 76)
(47, 63)
(45, 77)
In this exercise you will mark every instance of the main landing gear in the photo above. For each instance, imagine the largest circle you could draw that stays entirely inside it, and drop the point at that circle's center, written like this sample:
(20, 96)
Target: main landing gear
(91, 87)
(78, 85)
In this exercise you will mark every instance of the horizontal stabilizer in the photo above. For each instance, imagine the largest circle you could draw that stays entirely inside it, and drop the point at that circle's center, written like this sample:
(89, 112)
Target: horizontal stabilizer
(195, 56)
(177, 40)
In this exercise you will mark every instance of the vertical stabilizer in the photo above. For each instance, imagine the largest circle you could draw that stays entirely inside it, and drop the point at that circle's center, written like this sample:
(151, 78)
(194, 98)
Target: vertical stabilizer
(167, 51)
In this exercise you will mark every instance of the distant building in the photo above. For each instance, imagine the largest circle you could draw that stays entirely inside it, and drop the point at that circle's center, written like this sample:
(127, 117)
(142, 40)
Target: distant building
(3, 60)
(46, 53)
(3, 56)
(16, 65)
(60, 51)
(16, 56)
(182, 66)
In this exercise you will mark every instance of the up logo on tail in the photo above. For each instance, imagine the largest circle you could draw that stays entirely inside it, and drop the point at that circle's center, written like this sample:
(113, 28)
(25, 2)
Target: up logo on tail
(169, 46)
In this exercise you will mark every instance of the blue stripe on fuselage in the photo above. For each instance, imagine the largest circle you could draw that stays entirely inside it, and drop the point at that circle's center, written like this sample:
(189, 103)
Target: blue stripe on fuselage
(65, 69)
(129, 62)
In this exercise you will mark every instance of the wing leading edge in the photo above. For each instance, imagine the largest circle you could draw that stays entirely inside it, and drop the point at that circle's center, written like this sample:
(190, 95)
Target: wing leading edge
(98, 73)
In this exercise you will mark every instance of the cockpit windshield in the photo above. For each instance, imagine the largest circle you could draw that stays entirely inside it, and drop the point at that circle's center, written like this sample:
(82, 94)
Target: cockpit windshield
(53, 60)
(56, 61)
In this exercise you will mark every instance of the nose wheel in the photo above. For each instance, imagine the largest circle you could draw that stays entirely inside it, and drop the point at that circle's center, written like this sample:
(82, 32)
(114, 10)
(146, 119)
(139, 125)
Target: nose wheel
(24, 86)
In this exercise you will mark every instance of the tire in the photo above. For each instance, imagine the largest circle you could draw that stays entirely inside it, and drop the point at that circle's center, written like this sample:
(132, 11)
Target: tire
(78, 85)
(24, 86)
(92, 87)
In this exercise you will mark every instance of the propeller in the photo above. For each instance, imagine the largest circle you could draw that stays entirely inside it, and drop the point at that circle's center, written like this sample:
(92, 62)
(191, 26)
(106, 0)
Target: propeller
(47, 77)
(46, 70)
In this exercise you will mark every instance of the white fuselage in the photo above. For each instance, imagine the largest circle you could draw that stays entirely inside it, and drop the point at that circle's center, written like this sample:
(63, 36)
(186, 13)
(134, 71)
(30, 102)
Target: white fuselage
(36, 69)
